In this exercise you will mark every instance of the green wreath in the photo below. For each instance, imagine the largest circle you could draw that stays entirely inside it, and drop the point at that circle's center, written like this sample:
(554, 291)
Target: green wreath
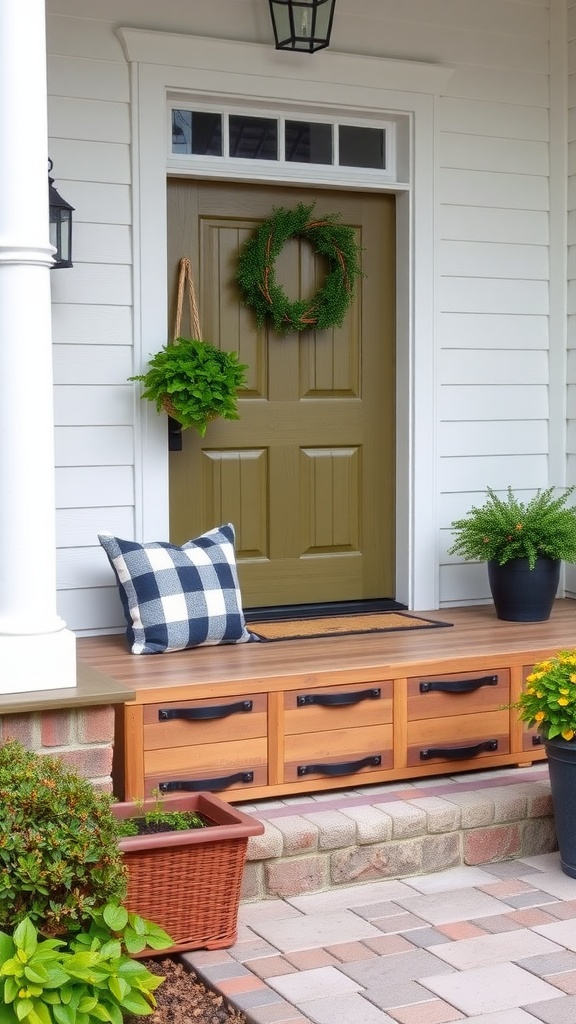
(256, 277)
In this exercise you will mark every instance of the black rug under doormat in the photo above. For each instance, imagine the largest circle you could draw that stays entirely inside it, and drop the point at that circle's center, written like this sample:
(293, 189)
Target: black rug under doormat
(340, 625)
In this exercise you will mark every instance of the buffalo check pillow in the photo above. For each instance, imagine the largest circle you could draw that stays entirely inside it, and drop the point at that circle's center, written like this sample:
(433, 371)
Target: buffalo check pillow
(178, 597)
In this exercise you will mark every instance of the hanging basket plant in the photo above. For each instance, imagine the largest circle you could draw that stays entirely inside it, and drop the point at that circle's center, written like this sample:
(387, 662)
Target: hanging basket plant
(256, 270)
(192, 380)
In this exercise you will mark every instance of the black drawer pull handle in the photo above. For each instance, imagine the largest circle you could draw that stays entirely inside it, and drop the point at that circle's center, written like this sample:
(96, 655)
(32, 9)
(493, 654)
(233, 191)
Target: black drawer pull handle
(193, 785)
(458, 753)
(537, 741)
(334, 700)
(458, 685)
(205, 714)
(344, 768)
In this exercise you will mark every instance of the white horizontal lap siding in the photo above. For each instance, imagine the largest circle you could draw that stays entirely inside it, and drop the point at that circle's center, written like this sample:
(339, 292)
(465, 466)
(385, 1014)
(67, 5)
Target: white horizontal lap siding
(493, 274)
(92, 321)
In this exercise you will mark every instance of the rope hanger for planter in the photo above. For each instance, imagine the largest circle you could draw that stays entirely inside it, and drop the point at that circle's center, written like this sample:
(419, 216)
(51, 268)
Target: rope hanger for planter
(185, 278)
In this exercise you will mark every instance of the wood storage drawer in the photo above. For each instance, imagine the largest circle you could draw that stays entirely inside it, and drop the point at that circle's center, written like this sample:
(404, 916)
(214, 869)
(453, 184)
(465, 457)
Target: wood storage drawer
(211, 745)
(462, 693)
(442, 740)
(338, 732)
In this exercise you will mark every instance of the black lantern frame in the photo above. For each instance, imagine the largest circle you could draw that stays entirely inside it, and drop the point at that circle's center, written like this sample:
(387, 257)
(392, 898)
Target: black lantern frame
(60, 225)
(302, 25)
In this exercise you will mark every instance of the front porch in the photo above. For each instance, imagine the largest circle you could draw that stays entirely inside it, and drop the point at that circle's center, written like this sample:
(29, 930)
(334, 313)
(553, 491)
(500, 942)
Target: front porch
(421, 777)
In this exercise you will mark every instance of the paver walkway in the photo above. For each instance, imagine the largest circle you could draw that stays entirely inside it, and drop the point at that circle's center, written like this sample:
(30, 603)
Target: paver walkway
(494, 944)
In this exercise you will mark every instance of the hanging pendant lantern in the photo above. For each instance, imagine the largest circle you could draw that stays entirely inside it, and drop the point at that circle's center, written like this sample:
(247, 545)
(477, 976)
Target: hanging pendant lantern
(60, 225)
(302, 25)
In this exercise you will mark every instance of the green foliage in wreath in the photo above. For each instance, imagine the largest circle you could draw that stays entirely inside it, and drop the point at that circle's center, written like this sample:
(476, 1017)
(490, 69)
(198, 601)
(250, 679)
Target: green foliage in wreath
(257, 280)
(194, 382)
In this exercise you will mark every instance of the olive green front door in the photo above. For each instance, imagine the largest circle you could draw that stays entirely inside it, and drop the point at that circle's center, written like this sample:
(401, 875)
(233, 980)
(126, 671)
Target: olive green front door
(306, 475)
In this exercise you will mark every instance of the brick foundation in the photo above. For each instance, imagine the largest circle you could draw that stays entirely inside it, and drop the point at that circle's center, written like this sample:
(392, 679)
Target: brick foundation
(82, 737)
(322, 849)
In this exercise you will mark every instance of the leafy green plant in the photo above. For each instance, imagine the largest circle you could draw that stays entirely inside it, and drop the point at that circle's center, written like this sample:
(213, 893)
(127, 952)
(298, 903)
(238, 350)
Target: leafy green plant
(84, 977)
(504, 529)
(548, 698)
(160, 819)
(194, 382)
(59, 856)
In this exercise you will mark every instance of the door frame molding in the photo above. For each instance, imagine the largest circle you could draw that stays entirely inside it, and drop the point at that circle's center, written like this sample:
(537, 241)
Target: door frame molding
(375, 88)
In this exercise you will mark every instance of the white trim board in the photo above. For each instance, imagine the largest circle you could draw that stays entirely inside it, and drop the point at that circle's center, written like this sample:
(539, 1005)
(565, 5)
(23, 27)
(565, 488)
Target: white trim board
(165, 64)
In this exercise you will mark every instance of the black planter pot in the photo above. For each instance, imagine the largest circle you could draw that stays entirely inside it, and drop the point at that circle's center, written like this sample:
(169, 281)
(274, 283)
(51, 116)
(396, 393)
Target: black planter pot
(522, 594)
(562, 767)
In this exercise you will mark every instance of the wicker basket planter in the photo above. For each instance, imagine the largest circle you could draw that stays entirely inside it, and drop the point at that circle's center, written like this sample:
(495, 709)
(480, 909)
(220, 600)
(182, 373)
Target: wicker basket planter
(189, 882)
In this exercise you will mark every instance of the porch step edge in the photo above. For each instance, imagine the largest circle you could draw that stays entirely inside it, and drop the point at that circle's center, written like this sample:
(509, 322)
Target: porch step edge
(311, 849)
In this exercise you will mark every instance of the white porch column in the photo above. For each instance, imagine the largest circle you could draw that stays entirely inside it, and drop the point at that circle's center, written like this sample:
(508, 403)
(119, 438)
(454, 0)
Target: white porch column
(37, 652)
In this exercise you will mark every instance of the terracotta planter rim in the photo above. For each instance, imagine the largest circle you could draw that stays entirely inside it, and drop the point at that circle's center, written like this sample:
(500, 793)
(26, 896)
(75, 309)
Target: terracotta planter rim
(230, 822)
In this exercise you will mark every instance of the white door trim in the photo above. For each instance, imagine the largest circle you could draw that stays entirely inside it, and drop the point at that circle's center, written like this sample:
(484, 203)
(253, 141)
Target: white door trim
(162, 64)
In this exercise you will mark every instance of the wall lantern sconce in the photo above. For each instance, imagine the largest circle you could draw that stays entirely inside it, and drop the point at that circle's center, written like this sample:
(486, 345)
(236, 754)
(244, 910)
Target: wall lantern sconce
(60, 225)
(303, 25)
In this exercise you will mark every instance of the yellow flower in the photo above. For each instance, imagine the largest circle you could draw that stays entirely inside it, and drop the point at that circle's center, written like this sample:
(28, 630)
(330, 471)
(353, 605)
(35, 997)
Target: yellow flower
(519, 526)
(563, 702)
(567, 734)
(573, 677)
(538, 716)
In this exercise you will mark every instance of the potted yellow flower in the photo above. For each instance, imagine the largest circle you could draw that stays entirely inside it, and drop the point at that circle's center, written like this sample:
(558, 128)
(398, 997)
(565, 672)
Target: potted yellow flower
(548, 700)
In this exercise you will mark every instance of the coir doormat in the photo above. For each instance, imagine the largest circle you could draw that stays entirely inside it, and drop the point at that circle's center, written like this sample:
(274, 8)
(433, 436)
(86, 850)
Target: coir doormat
(340, 625)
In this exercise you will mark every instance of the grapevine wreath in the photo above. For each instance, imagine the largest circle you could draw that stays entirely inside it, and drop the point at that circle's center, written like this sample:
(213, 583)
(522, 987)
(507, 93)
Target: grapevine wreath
(256, 277)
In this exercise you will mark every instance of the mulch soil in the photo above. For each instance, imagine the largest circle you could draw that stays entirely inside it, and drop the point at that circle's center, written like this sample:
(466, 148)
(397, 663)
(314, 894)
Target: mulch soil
(183, 999)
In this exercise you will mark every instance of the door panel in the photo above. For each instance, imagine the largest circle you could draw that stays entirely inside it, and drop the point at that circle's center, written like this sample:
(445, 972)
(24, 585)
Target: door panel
(307, 473)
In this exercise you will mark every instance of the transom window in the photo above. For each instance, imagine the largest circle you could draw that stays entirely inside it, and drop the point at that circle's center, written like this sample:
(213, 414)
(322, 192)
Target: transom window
(283, 140)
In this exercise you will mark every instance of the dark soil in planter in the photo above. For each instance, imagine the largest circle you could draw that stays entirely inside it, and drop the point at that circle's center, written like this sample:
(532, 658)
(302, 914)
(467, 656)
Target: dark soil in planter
(149, 828)
(182, 999)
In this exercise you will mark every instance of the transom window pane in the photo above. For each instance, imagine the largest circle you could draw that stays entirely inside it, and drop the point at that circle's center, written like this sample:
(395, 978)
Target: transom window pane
(229, 136)
(361, 147)
(308, 143)
(253, 138)
(196, 132)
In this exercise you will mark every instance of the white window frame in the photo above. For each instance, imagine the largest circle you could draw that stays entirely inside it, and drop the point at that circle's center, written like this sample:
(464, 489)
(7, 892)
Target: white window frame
(281, 169)
(166, 66)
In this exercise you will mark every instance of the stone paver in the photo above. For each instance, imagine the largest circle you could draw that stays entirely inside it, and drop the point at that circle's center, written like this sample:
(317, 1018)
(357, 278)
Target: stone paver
(489, 943)
(484, 989)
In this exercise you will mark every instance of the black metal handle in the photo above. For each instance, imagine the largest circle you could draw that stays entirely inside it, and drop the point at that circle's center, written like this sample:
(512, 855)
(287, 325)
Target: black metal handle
(193, 785)
(537, 741)
(458, 685)
(333, 700)
(204, 714)
(344, 768)
(458, 753)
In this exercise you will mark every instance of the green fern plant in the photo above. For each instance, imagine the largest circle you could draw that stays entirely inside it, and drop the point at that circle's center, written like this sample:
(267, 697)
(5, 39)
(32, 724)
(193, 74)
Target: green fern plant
(504, 529)
(194, 382)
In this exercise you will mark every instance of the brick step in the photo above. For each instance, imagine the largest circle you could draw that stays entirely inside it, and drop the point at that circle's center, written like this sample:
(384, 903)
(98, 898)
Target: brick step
(320, 842)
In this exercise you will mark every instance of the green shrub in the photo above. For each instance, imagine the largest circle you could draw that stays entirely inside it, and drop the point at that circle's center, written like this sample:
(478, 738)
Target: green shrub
(83, 978)
(59, 856)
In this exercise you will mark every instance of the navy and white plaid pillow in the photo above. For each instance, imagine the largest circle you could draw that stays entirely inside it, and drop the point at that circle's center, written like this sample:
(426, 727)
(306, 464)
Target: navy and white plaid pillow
(178, 597)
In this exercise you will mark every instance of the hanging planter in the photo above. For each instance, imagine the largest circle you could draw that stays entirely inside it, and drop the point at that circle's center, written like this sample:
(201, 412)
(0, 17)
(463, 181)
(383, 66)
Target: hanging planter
(192, 380)
(257, 279)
